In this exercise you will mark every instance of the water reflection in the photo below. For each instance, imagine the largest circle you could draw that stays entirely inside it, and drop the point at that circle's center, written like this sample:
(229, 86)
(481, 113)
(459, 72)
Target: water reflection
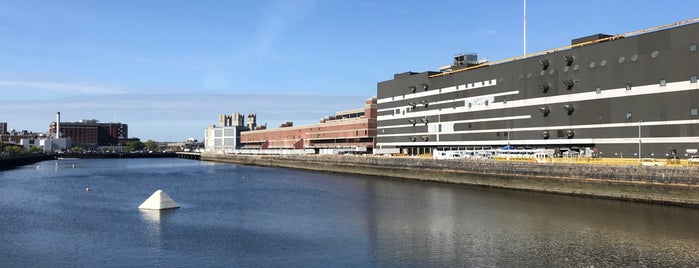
(154, 220)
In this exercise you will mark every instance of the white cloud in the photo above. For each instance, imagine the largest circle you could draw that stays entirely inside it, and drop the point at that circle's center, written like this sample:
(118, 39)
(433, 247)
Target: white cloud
(75, 88)
(274, 22)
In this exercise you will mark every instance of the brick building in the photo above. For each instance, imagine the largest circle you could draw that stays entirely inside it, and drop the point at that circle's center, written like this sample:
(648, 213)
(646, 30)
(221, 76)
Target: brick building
(91, 133)
(353, 130)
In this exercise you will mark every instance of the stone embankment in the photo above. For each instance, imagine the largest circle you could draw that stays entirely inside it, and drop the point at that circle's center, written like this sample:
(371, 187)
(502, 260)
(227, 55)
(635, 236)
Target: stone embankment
(10, 162)
(663, 185)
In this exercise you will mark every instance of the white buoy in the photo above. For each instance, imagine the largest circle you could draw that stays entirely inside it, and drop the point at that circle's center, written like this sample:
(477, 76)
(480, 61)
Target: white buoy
(159, 200)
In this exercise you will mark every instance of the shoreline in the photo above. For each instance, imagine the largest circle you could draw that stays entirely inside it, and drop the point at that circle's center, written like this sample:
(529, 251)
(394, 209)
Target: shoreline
(674, 186)
(8, 163)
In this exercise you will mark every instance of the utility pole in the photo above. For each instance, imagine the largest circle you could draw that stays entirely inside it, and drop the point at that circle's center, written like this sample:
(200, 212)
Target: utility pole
(524, 55)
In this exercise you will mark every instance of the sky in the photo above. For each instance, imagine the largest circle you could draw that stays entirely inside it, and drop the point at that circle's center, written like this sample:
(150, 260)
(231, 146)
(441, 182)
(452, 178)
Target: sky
(168, 68)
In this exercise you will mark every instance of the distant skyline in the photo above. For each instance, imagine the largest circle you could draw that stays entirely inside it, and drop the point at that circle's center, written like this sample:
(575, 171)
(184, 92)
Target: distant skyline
(168, 68)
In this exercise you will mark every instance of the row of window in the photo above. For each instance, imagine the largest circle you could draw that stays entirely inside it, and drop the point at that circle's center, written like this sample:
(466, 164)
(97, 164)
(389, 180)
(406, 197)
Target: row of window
(661, 82)
(692, 112)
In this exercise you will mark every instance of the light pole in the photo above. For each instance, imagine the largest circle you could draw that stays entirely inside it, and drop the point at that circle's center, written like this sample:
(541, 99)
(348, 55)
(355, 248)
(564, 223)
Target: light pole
(508, 138)
(639, 140)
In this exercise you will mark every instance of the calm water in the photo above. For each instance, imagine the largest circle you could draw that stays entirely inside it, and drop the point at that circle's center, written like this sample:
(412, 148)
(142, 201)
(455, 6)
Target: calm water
(249, 216)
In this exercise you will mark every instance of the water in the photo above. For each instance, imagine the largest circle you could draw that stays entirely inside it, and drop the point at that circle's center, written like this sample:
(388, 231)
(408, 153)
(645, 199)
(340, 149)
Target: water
(239, 216)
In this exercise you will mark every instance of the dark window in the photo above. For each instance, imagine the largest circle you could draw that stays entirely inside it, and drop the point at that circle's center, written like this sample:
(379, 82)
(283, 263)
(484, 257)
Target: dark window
(628, 86)
(560, 133)
(497, 134)
(439, 128)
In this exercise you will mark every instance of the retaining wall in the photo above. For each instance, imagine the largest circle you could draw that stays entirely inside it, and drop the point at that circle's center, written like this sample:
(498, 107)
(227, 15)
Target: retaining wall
(666, 185)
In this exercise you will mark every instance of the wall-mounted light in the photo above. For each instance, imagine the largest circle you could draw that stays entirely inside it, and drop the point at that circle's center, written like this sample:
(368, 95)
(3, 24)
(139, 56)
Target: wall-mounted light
(545, 87)
(545, 134)
(568, 59)
(570, 133)
(569, 83)
(569, 108)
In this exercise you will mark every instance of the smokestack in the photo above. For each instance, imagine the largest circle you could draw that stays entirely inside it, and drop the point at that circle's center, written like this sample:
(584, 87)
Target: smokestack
(58, 125)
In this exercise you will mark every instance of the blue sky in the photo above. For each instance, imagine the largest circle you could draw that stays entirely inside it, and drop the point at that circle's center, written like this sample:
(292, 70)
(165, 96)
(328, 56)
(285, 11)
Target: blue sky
(169, 67)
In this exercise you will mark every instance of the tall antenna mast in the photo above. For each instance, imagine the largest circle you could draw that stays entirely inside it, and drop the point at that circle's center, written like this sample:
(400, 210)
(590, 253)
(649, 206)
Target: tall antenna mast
(524, 55)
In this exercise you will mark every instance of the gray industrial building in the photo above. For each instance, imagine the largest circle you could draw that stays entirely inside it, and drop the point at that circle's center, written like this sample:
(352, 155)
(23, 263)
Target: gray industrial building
(614, 95)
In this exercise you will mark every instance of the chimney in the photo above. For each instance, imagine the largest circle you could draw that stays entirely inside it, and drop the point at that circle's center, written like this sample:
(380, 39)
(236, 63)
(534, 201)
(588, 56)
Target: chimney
(58, 125)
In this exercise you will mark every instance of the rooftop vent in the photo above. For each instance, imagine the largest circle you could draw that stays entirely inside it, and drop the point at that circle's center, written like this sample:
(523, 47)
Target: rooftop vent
(589, 38)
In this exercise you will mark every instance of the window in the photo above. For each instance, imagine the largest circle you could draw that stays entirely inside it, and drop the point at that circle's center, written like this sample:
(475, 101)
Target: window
(663, 82)
(628, 115)
(693, 79)
(628, 86)
(692, 47)
(694, 112)
(654, 54)
(497, 134)
(439, 128)
(598, 90)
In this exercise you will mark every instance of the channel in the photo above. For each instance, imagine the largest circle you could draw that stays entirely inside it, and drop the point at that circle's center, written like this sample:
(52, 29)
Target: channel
(235, 215)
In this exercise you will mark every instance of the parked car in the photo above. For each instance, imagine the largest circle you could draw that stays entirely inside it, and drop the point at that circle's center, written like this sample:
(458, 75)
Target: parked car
(693, 160)
(652, 162)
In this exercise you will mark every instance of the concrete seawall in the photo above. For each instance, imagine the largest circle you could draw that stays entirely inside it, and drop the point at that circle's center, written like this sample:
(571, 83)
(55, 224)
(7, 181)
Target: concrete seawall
(663, 185)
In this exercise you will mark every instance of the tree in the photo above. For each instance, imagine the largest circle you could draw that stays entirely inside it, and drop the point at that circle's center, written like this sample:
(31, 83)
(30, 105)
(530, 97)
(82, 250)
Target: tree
(77, 149)
(36, 150)
(13, 149)
(134, 145)
(150, 145)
